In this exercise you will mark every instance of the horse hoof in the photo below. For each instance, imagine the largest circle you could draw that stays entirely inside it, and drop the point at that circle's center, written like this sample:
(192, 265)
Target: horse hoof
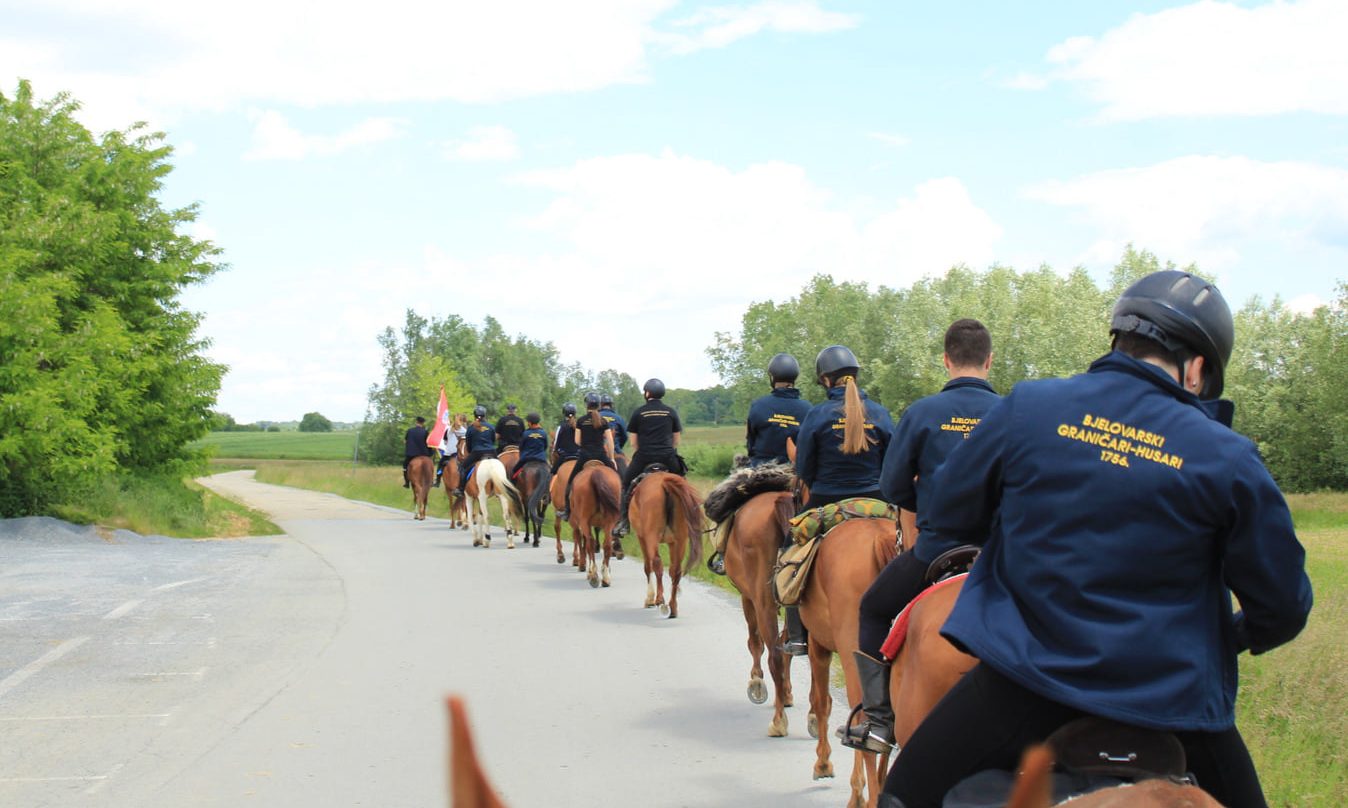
(561, 559)
(664, 608)
(477, 542)
(594, 581)
(535, 542)
(813, 727)
(777, 729)
(510, 545)
(823, 771)
(758, 692)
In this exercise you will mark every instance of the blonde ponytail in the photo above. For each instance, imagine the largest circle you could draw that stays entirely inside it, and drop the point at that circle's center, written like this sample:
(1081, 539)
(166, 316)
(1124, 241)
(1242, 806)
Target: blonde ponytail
(855, 439)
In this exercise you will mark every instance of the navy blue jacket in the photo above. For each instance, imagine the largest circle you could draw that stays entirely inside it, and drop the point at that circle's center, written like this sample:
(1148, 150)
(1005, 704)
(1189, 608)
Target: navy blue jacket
(416, 441)
(928, 432)
(564, 444)
(772, 420)
(481, 437)
(1119, 516)
(533, 446)
(820, 461)
(619, 428)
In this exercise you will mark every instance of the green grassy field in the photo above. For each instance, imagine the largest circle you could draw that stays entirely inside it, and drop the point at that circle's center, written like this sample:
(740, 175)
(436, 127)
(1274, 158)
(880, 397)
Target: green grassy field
(167, 504)
(281, 445)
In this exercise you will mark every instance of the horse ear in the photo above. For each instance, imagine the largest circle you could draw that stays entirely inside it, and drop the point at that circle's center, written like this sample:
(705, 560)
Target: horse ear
(1033, 786)
(468, 785)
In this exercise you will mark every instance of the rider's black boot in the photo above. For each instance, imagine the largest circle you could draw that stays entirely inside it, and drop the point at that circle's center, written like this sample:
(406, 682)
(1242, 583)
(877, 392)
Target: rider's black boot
(620, 529)
(876, 733)
(797, 639)
(406, 483)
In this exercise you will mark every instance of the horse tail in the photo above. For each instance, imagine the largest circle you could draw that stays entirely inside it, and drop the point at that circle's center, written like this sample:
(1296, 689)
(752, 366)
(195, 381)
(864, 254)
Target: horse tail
(606, 494)
(512, 493)
(544, 475)
(685, 498)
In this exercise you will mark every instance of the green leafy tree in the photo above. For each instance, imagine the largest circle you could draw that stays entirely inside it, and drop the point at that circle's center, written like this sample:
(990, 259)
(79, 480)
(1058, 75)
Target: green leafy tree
(315, 422)
(102, 368)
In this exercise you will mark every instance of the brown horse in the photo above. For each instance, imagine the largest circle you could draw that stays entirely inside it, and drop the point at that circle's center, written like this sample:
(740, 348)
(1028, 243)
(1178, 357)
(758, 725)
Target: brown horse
(458, 508)
(420, 473)
(750, 555)
(596, 498)
(509, 456)
(557, 493)
(847, 562)
(927, 665)
(666, 509)
(532, 482)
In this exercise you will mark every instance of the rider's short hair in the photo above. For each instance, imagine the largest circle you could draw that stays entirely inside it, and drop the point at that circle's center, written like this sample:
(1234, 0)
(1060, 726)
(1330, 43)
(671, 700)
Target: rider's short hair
(967, 343)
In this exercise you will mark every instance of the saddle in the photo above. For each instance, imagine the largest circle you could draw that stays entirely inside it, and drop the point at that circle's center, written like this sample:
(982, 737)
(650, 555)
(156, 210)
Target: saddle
(589, 463)
(819, 521)
(955, 561)
(1092, 754)
(899, 631)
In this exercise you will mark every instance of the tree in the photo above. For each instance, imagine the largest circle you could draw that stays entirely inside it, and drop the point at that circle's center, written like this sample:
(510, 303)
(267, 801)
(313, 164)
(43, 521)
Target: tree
(98, 352)
(315, 422)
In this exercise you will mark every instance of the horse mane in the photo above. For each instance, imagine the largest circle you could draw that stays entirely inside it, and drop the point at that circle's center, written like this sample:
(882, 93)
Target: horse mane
(686, 498)
(743, 485)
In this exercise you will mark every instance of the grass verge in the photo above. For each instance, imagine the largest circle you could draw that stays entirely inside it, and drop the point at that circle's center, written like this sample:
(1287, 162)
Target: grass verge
(167, 504)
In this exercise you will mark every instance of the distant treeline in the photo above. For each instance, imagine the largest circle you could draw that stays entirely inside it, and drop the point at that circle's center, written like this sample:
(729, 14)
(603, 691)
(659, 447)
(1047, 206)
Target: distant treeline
(1287, 375)
(1284, 377)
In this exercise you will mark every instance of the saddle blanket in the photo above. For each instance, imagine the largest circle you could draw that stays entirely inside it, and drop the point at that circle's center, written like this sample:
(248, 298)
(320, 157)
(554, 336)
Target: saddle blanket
(818, 521)
(899, 631)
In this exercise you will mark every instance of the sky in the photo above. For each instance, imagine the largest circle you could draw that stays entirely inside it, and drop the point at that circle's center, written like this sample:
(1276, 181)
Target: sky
(623, 178)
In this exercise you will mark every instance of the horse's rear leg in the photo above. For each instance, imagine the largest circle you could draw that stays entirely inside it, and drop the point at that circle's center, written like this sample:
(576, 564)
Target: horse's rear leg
(557, 531)
(605, 577)
(591, 547)
(758, 691)
(675, 573)
(821, 704)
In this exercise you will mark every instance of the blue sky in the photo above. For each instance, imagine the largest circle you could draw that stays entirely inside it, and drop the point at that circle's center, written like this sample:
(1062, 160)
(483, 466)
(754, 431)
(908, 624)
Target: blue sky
(623, 177)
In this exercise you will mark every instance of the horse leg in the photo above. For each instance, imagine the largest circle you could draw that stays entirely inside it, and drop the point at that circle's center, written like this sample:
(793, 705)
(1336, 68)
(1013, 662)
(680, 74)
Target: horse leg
(591, 547)
(765, 629)
(557, 531)
(650, 584)
(675, 573)
(659, 566)
(821, 704)
(505, 517)
(605, 577)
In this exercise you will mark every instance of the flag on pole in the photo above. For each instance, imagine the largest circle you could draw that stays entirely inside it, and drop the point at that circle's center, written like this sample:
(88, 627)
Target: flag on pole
(437, 434)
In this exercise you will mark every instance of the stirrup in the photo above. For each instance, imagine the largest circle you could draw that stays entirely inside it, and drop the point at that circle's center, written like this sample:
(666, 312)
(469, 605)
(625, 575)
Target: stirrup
(859, 736)
(619, 530)
(795, 648)
(716, 563)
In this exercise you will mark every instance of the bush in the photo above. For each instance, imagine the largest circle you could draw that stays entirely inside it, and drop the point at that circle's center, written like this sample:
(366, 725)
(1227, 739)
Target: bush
(710, 460)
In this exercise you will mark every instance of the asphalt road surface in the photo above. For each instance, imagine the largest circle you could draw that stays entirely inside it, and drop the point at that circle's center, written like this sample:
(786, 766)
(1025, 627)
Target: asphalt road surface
(310, 670)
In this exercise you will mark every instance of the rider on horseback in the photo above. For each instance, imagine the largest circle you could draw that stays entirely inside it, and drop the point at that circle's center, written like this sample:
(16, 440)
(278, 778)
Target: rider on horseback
(564, 446)
(841, 446)
(414, 445)
(509, 429)
(449, 444)
(655, 429)
(595, 437)
(1118, 514)
(929, 430)
(533, 445)
(481, 443)
(775, 418)
(615, 421)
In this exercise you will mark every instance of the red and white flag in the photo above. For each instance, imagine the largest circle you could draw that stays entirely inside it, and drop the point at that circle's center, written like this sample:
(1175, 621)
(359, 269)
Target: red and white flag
(437, 433)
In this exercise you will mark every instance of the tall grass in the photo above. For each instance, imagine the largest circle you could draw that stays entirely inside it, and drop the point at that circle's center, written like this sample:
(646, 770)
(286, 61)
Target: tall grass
(1293, 703)
(167, 504)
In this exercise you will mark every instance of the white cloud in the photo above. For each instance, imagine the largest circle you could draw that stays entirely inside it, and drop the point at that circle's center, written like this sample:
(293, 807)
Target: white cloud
(484, 144)
(1213, 58)
(889, 140)
(1306, 304)
(1213, 210)
(171, 57)
(275, 139)
(720, 26)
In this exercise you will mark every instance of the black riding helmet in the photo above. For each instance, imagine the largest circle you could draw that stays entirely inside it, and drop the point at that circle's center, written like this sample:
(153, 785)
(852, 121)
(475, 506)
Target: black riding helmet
(568, 409)
(479, 411)
(1185, 314)
(654, 387)
(511, 408)
(605, 400)
(833, 359)
(783, 368)
(591, 400)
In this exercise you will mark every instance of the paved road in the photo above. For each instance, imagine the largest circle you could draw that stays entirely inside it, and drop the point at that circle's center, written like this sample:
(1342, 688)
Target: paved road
(309, 670)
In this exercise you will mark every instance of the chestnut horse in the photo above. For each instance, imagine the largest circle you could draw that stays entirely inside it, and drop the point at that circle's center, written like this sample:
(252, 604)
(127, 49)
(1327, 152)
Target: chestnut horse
(849, 558)
(458, 508)
(488, 479)
(556, 494)
(532, 482)
(509, 456)
(666, 509)
(420, 473)
(750, 555)
(596, 498)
